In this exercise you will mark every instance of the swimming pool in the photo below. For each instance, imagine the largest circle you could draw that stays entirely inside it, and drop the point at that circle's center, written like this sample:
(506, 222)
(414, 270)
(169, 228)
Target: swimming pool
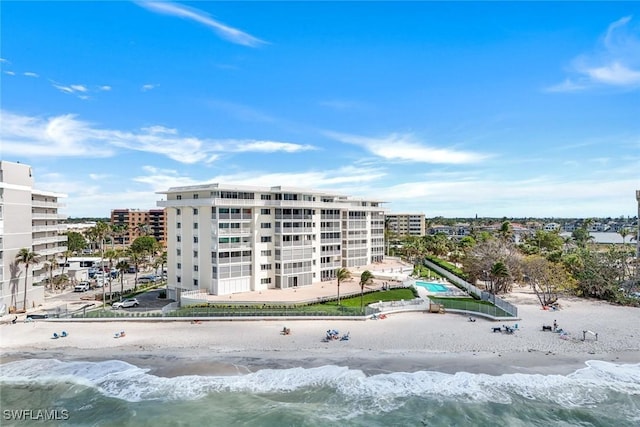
(433, 287)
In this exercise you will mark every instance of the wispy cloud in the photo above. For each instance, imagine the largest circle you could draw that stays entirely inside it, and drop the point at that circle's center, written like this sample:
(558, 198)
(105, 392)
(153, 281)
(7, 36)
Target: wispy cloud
(105, 88)
(405, 147)
(11, 73)
(269, 146)
(4, 61)
(30, 74)
(148, 87)
(75, 89)
(224, 31)
(66, 135)
(614, 62)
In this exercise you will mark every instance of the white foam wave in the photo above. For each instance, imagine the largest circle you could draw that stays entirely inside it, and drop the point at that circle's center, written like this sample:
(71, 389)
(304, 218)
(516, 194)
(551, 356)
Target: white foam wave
(585, 387)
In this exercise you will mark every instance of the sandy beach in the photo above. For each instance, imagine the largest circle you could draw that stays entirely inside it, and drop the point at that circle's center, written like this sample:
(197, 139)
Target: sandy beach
(403, 342)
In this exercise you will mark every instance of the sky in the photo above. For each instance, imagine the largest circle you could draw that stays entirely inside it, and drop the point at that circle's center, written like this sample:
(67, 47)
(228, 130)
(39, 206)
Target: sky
(453, 109)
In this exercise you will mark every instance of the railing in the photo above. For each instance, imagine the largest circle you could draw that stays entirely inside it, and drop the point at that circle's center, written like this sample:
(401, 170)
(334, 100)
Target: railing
(473, 290)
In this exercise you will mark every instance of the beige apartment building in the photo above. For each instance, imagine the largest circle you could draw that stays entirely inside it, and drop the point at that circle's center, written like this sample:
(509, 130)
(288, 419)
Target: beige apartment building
(29, 218)
(406, 224)
(136, 223)
(230, 238)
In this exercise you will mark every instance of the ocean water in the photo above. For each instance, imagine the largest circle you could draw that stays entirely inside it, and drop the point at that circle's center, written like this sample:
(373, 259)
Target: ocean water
(116, 393)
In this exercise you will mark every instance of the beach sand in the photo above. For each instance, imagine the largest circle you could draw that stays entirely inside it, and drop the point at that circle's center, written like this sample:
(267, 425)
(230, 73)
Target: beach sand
(403, 342)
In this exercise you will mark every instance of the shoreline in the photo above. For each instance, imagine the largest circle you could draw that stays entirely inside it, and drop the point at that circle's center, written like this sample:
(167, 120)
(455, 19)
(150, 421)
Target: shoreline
(170, 364)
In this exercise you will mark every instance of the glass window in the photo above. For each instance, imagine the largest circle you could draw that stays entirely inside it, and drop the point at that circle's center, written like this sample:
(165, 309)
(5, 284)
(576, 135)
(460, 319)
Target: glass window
(195, 211)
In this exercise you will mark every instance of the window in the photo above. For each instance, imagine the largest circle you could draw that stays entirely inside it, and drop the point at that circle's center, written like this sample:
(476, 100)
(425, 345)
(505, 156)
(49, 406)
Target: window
(265, 211)
(179, 197)
(195, 268)
(265, 281)
(195, 282)
(179, 266)
(178, 238)
(195, 196)
(264, 267)
(178, 211)
(265, 197)
(265, 239)
(195, 254)
(195, 239)
(178, 279)
(266, 253)
(195, 225)
(265, 225)
(179, 225)
(178, 252)
(195, 211)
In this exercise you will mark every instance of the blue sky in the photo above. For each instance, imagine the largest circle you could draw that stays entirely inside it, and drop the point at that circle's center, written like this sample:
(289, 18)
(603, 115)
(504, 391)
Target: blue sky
(451, 109)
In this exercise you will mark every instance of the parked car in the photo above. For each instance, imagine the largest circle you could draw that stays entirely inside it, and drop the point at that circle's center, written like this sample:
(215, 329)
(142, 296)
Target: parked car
(130, 302)
(82, 287)
(92, 273)
(132, 270)
(114, 274)
(148, 279)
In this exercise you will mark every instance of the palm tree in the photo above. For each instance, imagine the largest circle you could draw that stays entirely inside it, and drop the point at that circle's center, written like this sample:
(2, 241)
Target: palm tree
(111, 255)
(365, 278)
(99, 232)
(342, 274)
(66, 254)
(135, 258)
(122, 266)
(26, 257)
(499, 273)
(624, 232)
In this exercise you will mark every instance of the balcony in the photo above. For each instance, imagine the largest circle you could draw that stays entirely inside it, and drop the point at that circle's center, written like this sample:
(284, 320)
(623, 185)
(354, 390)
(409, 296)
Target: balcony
(47, 239)
(43, 204)
(45, 216)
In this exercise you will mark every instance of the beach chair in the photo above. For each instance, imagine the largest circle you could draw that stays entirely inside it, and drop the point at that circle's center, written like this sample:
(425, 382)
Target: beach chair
(345, 337)
(64, 334)
(55, 336)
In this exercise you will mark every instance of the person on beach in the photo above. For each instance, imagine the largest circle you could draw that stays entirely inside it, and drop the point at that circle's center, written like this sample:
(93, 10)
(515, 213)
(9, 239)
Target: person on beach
(555, 325)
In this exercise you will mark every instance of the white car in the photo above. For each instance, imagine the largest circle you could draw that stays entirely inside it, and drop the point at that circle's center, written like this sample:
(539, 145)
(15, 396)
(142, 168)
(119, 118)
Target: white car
(130, 302)
(81, 287)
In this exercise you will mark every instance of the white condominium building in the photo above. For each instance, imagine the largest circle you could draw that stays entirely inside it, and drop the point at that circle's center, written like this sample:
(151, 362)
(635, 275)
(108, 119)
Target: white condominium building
(406, 224)
(28, 219)
(228, 238)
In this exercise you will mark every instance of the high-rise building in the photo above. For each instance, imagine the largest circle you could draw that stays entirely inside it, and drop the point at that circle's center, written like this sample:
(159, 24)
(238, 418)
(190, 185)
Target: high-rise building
(29, 219)
(133, 223)
(406, 224)
(229, 238)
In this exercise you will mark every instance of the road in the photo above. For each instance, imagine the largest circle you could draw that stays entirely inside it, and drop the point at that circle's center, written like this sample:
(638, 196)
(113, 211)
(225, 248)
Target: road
(77, 300)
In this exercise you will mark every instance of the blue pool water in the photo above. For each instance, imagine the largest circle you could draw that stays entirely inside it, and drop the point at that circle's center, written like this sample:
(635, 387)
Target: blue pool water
(432, 287)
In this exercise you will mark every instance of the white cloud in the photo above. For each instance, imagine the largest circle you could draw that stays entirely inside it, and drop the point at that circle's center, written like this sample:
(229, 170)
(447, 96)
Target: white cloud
(148, 87)
(269, 146)
(74, 89)
(66, 135)
(228, 33)
(30, 74)
(11, 73)
(404, 147)
(4, 61)
(105, 88)
(615, 61)
(614, 74)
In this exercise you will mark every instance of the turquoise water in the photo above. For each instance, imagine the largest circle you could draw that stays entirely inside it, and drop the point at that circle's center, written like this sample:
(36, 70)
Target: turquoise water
(116, 393)
(433, 287)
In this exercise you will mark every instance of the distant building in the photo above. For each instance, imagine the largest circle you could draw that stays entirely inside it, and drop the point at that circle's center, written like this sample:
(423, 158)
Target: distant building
(136, 223)
(406, 224)
(225, 239)
(29, 219)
